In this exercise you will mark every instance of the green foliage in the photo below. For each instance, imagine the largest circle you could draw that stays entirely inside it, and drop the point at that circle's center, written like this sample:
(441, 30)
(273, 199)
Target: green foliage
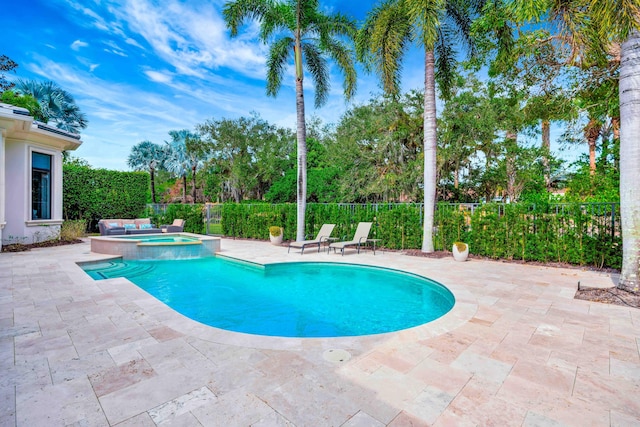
(248, 155)
(92, 194)
(24, 101)
(275, 231)
(193, 215)
(322, 186)
(581, 234)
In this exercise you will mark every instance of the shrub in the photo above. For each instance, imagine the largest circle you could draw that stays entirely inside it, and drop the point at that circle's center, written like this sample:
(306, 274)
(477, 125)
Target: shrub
(73, 229)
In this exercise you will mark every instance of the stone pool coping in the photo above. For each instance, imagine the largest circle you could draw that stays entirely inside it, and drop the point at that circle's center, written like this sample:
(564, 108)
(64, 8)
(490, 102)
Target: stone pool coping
(74, 351)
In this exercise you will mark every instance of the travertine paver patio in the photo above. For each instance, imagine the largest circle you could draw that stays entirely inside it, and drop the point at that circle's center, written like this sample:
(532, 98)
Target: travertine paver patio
(516, 350)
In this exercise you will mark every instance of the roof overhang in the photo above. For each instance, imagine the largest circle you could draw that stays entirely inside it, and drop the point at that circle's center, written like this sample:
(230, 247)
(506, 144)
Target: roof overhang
(16, 123)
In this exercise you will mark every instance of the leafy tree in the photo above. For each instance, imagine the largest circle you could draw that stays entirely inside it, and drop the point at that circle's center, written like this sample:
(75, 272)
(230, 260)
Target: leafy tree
(149, 157)
(247, 155)
(377, 145)
(609, 30)
(387, 32)
(56, 104)
(6, 64)
(298, 28)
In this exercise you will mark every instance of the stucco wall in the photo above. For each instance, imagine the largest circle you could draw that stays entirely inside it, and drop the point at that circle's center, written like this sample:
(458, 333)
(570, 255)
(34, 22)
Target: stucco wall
(20, 227)
(20, 136)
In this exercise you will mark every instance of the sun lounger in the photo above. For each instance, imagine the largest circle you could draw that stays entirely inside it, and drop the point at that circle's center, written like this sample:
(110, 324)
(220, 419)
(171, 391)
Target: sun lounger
(359, 238)
(176, 227)
(322, 237)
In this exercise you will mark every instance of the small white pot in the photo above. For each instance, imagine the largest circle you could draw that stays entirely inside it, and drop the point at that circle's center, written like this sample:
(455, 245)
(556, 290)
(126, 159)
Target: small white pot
(460, 256)
(277, 240)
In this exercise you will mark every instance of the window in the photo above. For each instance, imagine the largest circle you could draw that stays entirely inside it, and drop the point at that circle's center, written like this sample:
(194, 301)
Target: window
(40, 186)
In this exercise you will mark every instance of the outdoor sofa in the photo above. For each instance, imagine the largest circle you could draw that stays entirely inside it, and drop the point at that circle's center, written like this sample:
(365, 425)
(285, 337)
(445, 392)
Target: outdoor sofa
(119, 227)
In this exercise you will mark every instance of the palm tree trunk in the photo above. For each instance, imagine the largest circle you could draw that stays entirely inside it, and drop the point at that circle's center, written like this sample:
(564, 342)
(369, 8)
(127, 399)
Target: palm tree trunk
(301, 135)
(193, 191)
(629, 87)
(184, 188)
(430, 143)
(512, 147)
(546, 151)
(152, 172)
(592, 132)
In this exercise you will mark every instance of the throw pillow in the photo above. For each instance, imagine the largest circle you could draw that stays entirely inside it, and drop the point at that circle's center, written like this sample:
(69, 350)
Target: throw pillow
(112, 224)
(145, 226)
(129, 226)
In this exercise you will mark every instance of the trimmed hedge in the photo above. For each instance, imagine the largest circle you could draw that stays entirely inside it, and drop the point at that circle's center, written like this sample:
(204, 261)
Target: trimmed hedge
(193, 216)
(93, 194)
(582, 234)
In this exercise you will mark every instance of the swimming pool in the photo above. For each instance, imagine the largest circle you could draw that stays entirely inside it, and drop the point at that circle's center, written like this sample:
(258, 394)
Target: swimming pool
(289, 299)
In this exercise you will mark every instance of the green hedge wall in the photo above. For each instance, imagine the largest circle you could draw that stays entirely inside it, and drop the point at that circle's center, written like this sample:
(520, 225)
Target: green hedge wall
(582, 234)
(93, 194)
(193, 216)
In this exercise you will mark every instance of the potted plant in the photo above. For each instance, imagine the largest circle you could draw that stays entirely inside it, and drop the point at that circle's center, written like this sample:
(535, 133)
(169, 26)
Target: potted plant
(275, 235)
(460, 251)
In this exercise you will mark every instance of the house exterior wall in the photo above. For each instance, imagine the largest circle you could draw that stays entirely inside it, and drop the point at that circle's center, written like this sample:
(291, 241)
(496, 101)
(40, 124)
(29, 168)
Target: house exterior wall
(21, 228)
(20, 136)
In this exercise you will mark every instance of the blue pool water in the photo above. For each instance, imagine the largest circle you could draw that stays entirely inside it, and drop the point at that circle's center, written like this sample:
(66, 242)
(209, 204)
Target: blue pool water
(289, 299)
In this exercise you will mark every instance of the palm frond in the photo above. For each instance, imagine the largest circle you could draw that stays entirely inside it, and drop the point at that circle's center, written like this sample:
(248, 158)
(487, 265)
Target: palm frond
(319, 70)
(235, 13)
(445, 61)
(276, 63)
(343, 56)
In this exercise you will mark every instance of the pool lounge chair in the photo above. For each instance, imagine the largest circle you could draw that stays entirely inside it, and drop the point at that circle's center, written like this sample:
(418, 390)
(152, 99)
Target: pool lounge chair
(359, 238)
(322, 237)
(176, 227)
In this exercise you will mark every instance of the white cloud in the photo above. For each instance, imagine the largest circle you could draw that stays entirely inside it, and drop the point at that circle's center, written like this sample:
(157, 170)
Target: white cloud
(76, 45)
(93, 67)
(159, 77)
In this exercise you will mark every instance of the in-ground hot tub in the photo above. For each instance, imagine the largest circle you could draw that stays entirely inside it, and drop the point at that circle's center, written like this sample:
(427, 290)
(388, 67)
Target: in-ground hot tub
(157, 246)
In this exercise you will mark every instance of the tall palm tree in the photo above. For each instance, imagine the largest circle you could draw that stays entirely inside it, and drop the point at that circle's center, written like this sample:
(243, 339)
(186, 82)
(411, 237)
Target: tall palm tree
(56, 104)
(147, 156)
(197, 152)
(177, 161)
(298, 29)
(436, 26)
(629, 87)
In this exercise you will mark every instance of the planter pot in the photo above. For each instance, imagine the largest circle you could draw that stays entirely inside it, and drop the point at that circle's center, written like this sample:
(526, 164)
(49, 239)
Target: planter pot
(460, 255)
(276, 240)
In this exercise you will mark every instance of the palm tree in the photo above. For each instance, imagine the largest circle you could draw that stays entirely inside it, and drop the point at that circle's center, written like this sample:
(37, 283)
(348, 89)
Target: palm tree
(297, 28)
(197, 152)
(629, 87)
(56, 104)
(177, 162)
(388, 31)
(147, 156)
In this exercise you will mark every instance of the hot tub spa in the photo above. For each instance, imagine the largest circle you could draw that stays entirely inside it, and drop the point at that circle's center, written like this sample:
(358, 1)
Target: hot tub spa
(157, 246)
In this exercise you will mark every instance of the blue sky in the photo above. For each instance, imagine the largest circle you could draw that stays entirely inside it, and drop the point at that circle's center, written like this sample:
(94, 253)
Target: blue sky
(140, 68)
